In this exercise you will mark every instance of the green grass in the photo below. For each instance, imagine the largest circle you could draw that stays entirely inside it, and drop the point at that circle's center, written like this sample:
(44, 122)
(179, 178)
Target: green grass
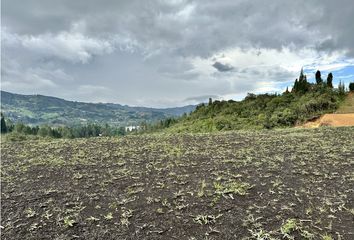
(348, 105)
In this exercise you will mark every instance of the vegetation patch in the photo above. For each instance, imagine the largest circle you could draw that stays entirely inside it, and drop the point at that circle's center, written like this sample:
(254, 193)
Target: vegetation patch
(231, 187)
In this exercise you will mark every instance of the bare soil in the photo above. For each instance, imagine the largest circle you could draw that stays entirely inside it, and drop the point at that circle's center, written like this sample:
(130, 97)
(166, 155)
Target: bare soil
(280, 184)
(333, 120)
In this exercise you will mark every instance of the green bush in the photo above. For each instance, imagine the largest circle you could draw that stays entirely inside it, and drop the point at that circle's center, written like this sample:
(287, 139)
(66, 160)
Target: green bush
(351, 86)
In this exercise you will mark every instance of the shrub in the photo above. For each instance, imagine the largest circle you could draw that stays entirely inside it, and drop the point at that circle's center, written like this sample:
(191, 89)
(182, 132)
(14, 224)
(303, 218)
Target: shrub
(351, 86)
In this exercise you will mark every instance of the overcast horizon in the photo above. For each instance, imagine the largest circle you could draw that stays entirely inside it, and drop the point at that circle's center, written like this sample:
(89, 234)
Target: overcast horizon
(171, 53)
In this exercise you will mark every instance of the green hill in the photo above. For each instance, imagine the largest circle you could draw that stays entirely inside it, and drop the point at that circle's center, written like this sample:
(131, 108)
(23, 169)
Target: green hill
(306, 101)
(38, 109)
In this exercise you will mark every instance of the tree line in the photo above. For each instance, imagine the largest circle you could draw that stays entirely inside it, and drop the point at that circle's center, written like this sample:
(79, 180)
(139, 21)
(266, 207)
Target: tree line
(301, 85)
(80, 131)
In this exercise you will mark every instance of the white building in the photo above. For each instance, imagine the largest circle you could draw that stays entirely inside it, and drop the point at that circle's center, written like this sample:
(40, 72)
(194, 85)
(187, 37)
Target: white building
(131, 128)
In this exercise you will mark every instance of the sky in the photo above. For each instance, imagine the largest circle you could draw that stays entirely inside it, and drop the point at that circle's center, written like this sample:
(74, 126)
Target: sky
(159, 53)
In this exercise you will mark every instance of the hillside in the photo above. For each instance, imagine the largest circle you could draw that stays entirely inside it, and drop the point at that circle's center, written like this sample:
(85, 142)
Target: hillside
(348, 104)
(38, 109)
(306, 102)
(344, 115)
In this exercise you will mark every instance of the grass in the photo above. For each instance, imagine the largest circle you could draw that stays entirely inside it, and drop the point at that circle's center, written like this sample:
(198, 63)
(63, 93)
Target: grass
(348, 104)
(289, 227)
(231, 187)
(279, 184)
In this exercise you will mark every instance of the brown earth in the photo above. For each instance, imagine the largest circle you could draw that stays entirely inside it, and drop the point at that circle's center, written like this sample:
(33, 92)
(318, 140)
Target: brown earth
(334, 120)
(281, 184)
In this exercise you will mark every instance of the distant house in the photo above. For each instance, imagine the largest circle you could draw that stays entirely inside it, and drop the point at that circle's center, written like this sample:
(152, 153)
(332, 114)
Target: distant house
(131, 128)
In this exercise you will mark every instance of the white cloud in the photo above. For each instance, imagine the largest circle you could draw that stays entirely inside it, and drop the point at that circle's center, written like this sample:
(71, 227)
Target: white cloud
(73, 47)
(28, 80)
(90, 89)
(66, 45)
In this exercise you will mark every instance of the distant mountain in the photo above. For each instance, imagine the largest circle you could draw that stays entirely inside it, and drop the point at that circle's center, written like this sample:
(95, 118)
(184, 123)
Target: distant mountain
(39, 109)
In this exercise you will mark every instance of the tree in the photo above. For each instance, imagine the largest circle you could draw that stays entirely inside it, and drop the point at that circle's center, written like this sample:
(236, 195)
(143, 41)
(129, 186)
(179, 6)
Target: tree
(55, 133)
(301, 85)
(44, 131)
(251, 96)
(296, 86)
(121, 131)
(9, 125)
(301, 78)
(27, 130)
(318, 78)
(305, 85)
(19, 127)
(65, 132)
(341, 88)
(286, 91)
(3, 124)
(330, 80)
(351, 86)
(210, 101)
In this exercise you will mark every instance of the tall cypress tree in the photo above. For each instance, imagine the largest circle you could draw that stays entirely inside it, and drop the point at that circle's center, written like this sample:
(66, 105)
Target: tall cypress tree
(306, 86)
(296, 86)
(302, 85)
(302, 76)
(330, 80)
(318, 77)
(287, 90)
(341, 88)
(3, 124)
(210, 101)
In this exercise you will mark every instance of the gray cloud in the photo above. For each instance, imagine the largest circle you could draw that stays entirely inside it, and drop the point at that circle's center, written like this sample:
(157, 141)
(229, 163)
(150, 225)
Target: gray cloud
(222, 67)
(192, 27)
(145, 52)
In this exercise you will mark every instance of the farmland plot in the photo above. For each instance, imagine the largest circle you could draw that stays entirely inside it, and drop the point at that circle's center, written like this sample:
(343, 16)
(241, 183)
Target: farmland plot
(280, 184)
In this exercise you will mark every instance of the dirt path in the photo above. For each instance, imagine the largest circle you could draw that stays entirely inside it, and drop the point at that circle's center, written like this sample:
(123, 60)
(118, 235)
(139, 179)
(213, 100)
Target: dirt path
(334, 120)
(344, 116)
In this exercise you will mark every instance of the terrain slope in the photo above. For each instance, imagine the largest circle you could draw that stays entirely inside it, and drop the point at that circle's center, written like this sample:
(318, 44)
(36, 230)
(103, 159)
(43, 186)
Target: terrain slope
(39, 109)
(344, 116)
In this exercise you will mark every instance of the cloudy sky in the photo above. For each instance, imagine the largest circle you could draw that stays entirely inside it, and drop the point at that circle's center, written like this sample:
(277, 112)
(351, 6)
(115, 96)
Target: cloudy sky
(171, 53)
